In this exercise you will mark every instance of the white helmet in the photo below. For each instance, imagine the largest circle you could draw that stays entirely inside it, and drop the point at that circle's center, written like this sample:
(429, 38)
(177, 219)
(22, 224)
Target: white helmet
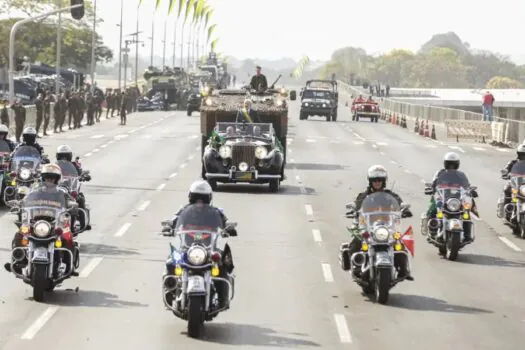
(520, 151)
(64, 152)
(51, 171)
(377, 172)
(200, 190)
(451, 161)
(29, 131)
(4, 128)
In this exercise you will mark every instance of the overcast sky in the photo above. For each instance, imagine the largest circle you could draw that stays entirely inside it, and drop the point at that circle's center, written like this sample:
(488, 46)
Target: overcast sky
(292, 28)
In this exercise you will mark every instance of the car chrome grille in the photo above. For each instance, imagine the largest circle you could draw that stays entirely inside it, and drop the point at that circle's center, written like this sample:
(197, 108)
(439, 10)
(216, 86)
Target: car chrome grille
(243, 153)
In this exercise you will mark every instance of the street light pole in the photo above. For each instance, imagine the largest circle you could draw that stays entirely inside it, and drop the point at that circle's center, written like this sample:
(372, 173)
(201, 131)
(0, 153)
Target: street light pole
(126, 58)
(120, 44)
(174, 42)
(59, 50)
(137, 50)
(93, 43)
(152, 41)
(164, 48)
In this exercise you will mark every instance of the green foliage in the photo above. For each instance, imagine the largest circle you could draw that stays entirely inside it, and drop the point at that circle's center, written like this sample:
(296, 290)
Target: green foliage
(443, 62)
(504, 83)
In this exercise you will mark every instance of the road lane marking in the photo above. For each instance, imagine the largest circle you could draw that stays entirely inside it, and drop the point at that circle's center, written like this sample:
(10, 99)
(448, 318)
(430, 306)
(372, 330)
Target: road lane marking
(144, 205)
(479, 148)
(342, 328)
(172, 176)
(457, 148)
(509, 244)
(317, 235)
(123, 229)
(327, 273)
(97, 136)
(309, 209)
(311, 140)
(96, 150)
(191, 157)
(88, 154)
(39, 323)
(92, 265)
(408, 171)
(161, 187)
(183, 165)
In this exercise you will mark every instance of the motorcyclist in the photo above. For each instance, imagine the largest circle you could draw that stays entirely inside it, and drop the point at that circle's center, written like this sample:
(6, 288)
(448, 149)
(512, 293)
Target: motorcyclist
(451, 161)
(51, 175)
(377, 178)
(520, 156)
(4, 131)
(65, 154)
(29, 139)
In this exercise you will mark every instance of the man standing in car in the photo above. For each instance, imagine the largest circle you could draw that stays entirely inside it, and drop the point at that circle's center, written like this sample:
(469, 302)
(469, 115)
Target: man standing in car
(258, 82)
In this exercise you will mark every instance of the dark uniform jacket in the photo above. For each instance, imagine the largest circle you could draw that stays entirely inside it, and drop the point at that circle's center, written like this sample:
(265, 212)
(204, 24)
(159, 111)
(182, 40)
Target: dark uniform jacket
(259, 80)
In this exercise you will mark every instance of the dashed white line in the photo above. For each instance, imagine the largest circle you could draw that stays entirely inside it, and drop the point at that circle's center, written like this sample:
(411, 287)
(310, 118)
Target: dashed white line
(408, 171)
(193, 136)
(431, 146)
(382, 153)
(132, 131)
(88, 154)
(503, 149)
(103, 146)
(479, 149)
(309, 209)
(161, 187)
(92, 265)
(39, 323)
(311, 140)
(382, 143)
(97, 136)
(292, 160)
(335, 141)
(457, 148)
(374, 146)
(317, 235)
(327, 273)
(110, 142)
(183, 165)
(509, 244)
(96, 150)
(342, 328)
(123, 229)
(359, 136)
(359, 143)
(144, 205)
(172, 176)
(191, 157)
(394, 162)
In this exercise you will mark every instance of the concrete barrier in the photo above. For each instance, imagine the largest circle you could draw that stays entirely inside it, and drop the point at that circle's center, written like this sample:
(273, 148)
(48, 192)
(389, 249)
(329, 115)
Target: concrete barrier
(469, 129)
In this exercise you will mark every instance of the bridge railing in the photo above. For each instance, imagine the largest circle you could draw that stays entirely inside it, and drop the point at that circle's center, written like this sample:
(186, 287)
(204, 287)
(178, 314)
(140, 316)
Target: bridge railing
(458, 123)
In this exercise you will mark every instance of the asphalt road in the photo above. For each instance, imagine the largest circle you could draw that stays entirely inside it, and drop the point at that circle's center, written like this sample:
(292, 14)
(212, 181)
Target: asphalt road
(290, 291)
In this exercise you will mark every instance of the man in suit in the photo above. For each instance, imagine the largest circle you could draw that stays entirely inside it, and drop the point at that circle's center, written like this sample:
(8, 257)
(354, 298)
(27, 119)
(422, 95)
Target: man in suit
(247, 114)
(259, 81)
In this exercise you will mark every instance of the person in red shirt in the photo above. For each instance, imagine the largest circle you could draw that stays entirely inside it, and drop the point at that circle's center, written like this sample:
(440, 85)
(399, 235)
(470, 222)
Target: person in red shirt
(488, 101)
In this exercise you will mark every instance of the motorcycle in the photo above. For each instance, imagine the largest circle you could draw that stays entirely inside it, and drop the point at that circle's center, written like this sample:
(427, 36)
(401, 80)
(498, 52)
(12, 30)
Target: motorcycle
(45, 225)
(453, 197)
(5, 152)
(25, 171)
(196, 286)
(377, 266)
(513, 213)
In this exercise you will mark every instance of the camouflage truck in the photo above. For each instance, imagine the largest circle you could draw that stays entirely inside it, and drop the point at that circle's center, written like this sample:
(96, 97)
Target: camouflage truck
(223, 106)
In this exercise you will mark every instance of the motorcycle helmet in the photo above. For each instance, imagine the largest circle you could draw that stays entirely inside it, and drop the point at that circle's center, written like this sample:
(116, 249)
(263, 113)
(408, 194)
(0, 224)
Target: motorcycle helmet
(51, 171)
(451, 161)
(377, 173)
(520, 151)
(64, 152)
(200, 191)
(29, 135)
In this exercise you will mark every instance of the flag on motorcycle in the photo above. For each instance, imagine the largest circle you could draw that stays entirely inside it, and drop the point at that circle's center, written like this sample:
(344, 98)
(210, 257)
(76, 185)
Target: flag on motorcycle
(408, 240)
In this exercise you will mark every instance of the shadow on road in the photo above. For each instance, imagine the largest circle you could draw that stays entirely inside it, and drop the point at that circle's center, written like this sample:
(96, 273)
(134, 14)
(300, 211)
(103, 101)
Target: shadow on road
(316, 166)
(423, 303)
(104, 249)
(487, 260)
(263, 189)
(90, 298)
(243, 334)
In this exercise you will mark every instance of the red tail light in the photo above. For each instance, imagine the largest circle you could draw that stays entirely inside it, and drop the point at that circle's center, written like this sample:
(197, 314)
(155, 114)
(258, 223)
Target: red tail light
(74, 194)
(215, 256)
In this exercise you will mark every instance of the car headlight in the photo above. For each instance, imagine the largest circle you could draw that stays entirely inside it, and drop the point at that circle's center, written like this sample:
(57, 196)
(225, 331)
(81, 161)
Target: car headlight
(42, 229)
(453, 204)
(381, 234)
(261, 152)
(197, 255)
(25, 174)
(324, 104)
(243, 166)
(279, 103)
(522, 190)
(225, 152)
(209, 102)
(306, 104)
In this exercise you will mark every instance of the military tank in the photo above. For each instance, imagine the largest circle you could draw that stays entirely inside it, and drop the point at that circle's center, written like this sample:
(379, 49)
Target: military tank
(223, 106)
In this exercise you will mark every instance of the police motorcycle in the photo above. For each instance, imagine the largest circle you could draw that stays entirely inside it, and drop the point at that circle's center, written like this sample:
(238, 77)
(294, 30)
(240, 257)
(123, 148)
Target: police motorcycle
(513, 213)
(70, 183)
(379, 221)
(24, 172)
(453, 198)
(45, 227)
(5, 153)
(195, 273)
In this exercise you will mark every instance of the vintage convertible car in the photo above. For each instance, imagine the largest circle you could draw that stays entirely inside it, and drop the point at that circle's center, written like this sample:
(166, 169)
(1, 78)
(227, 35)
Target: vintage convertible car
(241, 152)
(365, 109)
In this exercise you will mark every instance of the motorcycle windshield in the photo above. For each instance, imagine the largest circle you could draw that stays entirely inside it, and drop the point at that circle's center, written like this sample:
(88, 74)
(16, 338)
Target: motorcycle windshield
(71, 183)
(198, 224)
(49, 198)
(68, 169)
(517, 174)
(4, 147)
(25, 157)
(380, 209)
(450, 183)
(32, 214)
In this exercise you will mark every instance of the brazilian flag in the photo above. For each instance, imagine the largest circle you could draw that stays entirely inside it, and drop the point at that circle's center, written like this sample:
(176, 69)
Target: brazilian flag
(214, 136)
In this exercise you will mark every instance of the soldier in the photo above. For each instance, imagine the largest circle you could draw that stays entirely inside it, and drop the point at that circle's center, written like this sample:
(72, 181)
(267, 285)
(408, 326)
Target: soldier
(118, 105)
(98, 107)
(109, 102)
(4, 115)
(259, 81)
(129, 104)
(39, 104)
(47, 111)
(90, 105)
(71, 110)
(123, 103)
(81, 107)
(20, 118)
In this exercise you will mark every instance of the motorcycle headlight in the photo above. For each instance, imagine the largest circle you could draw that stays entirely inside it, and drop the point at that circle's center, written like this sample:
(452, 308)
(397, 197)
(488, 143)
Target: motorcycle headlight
(197, 255)
(260, 152)
(25, 174)
(381, 234)
(42, 229)
(453, 204)
(522, 190)
(225, 152)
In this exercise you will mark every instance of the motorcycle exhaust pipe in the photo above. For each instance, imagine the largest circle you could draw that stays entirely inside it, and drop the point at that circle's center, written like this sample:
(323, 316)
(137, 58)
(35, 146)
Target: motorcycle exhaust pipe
(358, 259)
(9, 191)
(509, 208)
(433, 224)
(169, 283)
(19, 254)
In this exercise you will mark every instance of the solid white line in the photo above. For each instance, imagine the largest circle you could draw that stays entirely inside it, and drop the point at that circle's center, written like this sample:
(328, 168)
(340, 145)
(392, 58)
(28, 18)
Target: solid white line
(161, 187)
(172, 175)
(509, 244)
(311, 140)
(144, 205)
(103, 146)
(309, 209)
(327, 273)
(317, 235)
(90, 267)
(39, 323)
(342, 328)
(88, 154)
(123, 229)
(479, 148)
(183, 165)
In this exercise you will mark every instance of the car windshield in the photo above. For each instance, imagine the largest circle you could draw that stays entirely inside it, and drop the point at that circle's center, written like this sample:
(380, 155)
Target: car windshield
(198, 224)
(517, 174)
(229, 130)
(380, 209)
(317, 94)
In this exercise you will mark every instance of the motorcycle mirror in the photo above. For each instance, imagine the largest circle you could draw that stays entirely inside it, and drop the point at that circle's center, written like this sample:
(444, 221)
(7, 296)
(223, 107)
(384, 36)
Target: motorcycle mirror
(166, 223)
(405, 206)
(230, 232)
(503, 171)
(428, 184)
(350, 206)
(231, 225)
(473, 188)
(428, 190)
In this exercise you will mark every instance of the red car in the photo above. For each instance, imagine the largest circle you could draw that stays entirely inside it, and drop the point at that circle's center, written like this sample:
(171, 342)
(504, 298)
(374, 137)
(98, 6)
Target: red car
(366, 109)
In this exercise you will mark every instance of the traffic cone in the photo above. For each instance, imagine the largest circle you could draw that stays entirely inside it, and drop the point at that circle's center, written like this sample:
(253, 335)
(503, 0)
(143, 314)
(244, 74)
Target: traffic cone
(393, 118)
(405, 122)
(433, 134)
(422, 128)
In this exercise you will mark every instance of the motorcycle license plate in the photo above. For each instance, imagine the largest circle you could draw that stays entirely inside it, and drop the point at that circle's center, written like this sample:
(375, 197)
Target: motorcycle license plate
(246, 176)
(23, 189)
(195, 284)
(40, 253)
